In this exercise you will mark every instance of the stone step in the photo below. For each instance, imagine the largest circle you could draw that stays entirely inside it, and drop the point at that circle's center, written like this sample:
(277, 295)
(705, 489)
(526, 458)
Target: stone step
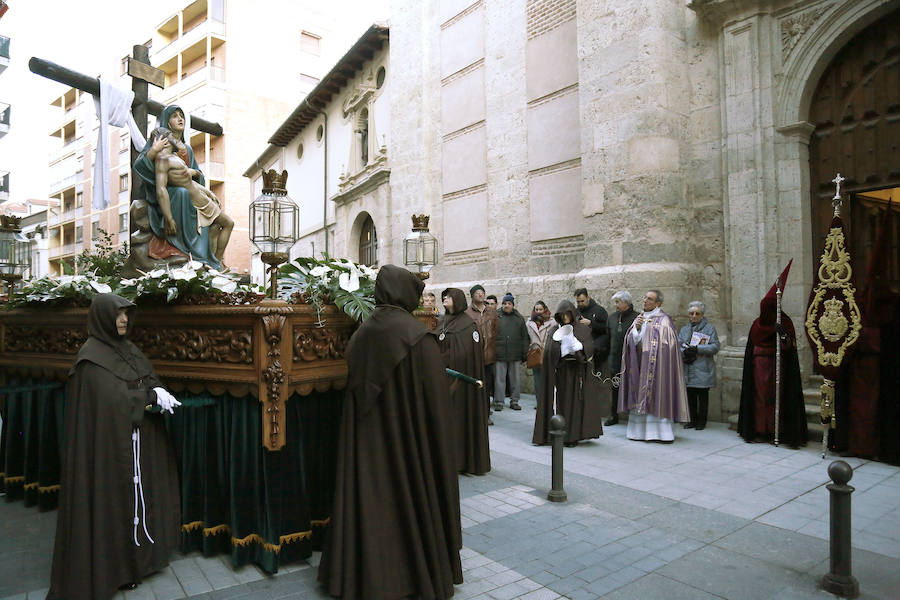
(813, 422)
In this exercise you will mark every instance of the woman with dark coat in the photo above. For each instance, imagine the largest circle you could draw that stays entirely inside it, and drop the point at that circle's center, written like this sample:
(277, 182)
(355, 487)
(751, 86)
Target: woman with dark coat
(568, 379)
(463, 351)
(119, 509)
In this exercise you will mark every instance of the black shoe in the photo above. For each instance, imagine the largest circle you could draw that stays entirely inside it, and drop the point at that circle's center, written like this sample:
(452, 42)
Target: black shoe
(498, 407)
(700, 427)
(688, 425)
(515, 406)
(613, 420)
(570, 444)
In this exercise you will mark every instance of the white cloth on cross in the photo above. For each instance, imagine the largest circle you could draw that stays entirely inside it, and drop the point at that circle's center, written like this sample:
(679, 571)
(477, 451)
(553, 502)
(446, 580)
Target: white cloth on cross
(113, 108)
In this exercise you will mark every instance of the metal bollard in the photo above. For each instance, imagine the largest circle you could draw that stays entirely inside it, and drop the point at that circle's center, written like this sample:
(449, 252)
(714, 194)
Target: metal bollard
(557, 433)
(840, 581)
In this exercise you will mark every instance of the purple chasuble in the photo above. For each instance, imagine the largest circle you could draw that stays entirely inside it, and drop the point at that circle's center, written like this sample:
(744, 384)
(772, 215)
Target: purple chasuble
(652, 380)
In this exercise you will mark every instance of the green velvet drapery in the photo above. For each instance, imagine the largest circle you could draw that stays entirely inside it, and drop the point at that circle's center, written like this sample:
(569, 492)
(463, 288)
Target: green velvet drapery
(31, 440)
(262, 507)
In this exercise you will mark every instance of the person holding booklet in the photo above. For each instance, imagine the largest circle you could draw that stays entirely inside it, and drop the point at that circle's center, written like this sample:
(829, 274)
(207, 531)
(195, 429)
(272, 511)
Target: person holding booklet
(699, 344)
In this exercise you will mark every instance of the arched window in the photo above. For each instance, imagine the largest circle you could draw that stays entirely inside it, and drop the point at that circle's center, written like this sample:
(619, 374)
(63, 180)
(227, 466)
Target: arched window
(368, 244)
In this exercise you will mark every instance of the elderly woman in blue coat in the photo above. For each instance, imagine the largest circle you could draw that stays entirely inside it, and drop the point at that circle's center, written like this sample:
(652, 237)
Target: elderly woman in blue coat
(699, 344)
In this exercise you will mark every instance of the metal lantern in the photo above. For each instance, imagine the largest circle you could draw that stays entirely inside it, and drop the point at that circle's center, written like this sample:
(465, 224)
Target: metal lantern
(420, 248)
(274, 223)
(15, 252)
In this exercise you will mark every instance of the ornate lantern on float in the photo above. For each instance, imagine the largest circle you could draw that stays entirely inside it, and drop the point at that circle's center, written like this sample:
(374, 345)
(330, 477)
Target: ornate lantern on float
(274, 223)
(15, 252)
(420, 248)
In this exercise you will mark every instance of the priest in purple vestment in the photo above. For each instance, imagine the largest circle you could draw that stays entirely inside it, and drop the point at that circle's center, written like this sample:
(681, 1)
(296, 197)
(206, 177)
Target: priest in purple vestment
(651, 389)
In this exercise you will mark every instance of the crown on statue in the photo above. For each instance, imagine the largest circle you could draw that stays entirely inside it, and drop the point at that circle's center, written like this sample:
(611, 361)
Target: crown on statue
(274, 182)
(10, 222)
(420, 222)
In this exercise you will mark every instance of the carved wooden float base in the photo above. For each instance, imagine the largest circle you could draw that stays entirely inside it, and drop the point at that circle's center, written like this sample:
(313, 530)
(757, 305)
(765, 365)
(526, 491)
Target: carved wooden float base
(269, 351)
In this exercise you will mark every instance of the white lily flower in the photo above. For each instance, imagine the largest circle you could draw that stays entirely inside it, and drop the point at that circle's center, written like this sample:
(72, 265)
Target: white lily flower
(369, 271)
(101, 288)
(349, 281)
(128, 282)
(156, 273)
(224, 284)
(320, 270)
(65, 279)
(183, 274)
(195, 264)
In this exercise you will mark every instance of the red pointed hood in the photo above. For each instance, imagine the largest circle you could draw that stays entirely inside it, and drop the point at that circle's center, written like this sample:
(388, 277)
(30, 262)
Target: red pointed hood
(767, 306)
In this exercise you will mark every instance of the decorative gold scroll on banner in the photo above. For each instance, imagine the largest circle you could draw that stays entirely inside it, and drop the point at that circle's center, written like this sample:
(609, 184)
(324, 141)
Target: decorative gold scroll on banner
(833, 320)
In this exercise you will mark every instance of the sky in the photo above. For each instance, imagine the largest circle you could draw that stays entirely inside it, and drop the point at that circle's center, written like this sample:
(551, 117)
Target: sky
(77, 35)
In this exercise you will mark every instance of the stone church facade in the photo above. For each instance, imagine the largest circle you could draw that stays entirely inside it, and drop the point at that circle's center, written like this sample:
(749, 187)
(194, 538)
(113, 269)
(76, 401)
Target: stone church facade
(623, 144)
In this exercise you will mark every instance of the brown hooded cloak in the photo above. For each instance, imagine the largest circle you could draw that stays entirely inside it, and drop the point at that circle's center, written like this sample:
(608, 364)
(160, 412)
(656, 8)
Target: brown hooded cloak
(395, 527)
(98, 546)
(577, 390)
(463, 351)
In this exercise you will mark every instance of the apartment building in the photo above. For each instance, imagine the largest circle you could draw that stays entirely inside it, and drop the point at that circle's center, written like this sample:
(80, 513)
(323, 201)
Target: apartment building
(5, 111)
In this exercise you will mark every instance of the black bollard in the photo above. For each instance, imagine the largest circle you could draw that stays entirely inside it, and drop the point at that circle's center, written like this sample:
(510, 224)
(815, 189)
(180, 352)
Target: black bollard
(557, 433)
(840, 581)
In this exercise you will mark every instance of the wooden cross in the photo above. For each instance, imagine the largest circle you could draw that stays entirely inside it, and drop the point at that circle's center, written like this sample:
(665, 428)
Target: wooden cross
(141, 74)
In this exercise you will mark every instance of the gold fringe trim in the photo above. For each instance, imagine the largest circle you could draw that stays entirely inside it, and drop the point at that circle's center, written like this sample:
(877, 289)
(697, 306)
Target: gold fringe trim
(34, 485)
(253, 538)
(188, 527)
(320, 522)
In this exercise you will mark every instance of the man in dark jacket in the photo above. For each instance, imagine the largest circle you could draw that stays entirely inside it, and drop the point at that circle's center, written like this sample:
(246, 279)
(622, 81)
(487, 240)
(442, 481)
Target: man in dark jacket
(595, 316)
(511, 349)
(618, 323)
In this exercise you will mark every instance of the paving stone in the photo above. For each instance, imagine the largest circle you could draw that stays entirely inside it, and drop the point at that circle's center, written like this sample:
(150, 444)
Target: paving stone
(729, 574)
(694, 522)
(654, 585)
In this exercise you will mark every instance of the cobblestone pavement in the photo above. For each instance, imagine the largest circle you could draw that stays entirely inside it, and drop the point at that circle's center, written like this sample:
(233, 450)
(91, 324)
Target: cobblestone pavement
(706, 517)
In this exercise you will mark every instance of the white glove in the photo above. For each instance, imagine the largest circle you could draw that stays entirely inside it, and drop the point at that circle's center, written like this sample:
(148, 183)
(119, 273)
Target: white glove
(569, 345)
(166, 401)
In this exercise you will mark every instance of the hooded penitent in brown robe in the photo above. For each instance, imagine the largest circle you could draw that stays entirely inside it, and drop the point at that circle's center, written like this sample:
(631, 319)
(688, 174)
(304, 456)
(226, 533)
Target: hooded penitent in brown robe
(463, 351)
(571, 377)
(98, 545)
(395, 527)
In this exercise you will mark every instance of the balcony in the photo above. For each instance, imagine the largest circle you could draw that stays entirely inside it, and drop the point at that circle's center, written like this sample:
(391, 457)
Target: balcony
(66, 250)
(63, 183)
(190, 38)
(4, 118)
(54, 218)
(4, 52)
(213, 171)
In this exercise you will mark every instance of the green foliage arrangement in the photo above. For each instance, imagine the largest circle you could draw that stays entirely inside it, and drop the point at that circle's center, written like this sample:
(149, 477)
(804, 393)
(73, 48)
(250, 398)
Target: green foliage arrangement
(306, 280)
(99, 270)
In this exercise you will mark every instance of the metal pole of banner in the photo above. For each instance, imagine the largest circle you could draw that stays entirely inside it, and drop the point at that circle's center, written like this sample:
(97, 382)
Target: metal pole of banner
(840, 580)
(777, 357)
